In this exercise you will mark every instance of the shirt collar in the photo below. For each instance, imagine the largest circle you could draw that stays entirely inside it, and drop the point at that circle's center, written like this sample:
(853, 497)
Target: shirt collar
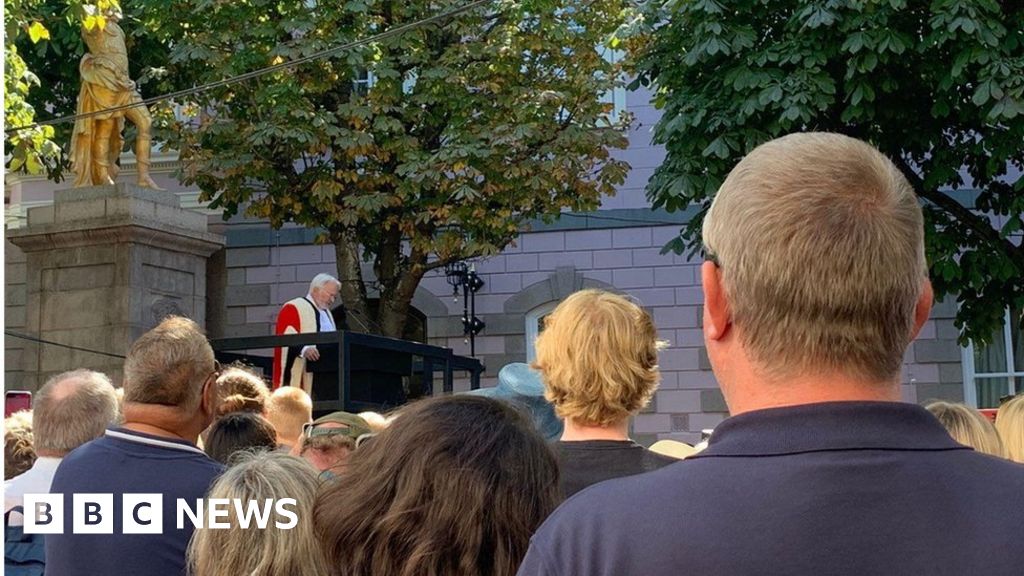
(43, 466)
(46, 463)
(829, 426)
(151, 440)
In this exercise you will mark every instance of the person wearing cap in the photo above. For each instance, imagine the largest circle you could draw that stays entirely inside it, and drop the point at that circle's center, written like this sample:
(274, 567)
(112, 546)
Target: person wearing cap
(328, 441)
(521, 386)
(815, 283)
(598, 356)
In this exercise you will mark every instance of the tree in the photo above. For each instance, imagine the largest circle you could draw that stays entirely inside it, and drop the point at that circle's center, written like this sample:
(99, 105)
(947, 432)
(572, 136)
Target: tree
(938, 86)
(413, 151)
(31, 149)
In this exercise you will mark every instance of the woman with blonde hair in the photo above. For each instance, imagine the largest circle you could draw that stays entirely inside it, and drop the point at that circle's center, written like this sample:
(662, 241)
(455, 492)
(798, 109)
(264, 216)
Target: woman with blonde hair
(255, 551)
(598, 357)
(1010, 425)
(968, 427)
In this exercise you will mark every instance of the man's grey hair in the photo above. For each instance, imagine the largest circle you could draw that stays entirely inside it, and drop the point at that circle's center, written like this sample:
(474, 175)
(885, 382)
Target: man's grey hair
(71, 409)
(820, 242)
(169, 365)
(321, 280)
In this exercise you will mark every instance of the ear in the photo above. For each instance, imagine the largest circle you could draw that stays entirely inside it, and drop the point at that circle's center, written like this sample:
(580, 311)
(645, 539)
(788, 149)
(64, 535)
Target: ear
(209, 400)
(923, 309)
(716, 307)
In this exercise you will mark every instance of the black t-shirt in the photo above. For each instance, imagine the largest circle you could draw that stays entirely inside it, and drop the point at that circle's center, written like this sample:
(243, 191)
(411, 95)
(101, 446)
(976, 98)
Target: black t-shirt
(586, 462)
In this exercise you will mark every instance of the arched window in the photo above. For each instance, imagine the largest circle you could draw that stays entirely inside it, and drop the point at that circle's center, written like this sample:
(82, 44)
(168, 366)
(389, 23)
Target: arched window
(535, 325)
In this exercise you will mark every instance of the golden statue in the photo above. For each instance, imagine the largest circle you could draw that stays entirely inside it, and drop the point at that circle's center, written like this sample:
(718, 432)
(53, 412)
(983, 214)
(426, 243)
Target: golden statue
(96, 141)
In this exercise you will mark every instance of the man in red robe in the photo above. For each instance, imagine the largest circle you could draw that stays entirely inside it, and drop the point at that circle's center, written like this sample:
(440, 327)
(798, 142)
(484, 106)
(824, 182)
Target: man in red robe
(308, 314)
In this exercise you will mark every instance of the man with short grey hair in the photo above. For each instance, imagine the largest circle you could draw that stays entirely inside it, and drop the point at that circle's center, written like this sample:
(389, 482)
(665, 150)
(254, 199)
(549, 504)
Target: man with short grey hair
(309, 314)
(170, 397)
(70, 409)
(814, 284)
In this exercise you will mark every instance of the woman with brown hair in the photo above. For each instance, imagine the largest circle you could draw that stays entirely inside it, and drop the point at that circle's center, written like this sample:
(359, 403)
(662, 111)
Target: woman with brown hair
(242, 390)
(455, 487)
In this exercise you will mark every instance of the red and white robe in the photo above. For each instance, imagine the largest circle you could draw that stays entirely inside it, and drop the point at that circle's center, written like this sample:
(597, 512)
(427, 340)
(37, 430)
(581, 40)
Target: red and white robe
(298, 316)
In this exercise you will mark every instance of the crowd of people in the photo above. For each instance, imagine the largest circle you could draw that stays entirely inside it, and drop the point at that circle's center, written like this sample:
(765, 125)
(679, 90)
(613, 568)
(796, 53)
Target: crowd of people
(814, 285)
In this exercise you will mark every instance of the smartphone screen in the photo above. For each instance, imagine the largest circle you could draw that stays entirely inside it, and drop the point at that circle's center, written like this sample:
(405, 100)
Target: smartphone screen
(15, 401)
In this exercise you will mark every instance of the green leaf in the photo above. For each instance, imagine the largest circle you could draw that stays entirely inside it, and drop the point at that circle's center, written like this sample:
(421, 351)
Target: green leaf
(1012, 226)
(981, 95)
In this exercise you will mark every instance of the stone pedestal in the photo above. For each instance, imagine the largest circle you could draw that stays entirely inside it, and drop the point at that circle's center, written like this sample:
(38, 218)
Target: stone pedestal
(104, 265)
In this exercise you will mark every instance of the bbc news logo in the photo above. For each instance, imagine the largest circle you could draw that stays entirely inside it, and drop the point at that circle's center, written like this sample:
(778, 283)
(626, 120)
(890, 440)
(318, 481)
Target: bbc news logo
(144, 513)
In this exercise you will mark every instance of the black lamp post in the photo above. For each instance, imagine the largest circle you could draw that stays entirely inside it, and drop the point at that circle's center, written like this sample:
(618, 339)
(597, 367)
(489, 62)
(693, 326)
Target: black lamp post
(463, 277)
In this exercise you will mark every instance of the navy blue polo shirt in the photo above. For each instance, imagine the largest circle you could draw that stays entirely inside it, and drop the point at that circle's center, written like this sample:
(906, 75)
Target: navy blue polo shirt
(125, 461)
(834, 488)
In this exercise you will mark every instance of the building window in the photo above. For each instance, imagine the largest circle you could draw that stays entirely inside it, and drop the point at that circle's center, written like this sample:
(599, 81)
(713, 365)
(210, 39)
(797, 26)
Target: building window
(997, 370)
(363, 81)
(616, 96)
(534, 326)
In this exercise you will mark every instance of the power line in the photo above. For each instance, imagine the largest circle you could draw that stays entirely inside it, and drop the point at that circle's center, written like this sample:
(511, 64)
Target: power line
(59, 345)
(621, 219)
(260, 72)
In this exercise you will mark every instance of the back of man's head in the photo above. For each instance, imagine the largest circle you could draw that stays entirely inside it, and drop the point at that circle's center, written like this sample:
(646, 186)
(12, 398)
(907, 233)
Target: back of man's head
(169, 365)
(71, 409)
(288, 409)
(819, 239)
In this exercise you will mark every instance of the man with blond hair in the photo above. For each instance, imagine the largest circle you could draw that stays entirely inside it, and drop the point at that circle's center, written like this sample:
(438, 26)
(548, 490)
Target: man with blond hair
(598, 358)
(814, 286)
(170, 397)
(288, 410)
(70, 409)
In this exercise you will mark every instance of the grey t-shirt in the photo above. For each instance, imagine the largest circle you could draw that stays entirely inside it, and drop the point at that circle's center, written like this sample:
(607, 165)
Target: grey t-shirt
(586, 462)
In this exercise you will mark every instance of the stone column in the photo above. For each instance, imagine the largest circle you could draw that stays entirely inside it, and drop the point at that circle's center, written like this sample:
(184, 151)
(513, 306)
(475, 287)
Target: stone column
(104, 265)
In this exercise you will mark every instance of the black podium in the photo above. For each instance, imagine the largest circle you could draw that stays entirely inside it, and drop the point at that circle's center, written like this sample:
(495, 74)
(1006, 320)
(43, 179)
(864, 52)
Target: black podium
(358, 372)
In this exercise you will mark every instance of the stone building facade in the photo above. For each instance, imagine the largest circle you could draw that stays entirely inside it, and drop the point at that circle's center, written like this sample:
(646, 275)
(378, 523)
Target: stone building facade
(617, 247)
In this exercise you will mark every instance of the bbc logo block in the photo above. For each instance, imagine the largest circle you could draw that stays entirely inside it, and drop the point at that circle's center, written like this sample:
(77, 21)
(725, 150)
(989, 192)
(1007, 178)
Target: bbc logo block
(94, 514)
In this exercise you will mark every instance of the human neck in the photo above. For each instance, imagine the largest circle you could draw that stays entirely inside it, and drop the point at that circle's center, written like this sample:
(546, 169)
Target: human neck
(575, 432)
(316, 304)
(164, 421)
(760, 393)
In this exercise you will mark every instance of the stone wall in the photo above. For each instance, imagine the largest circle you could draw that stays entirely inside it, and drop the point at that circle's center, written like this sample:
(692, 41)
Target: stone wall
(15, 271)
(101, 266)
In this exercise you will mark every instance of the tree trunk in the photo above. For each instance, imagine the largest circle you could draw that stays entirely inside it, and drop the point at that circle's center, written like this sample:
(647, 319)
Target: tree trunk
(397, 288)
(395, 303)
(350, 274)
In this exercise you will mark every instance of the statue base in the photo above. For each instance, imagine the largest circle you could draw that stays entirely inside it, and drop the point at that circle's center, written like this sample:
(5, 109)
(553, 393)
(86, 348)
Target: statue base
(105, 264)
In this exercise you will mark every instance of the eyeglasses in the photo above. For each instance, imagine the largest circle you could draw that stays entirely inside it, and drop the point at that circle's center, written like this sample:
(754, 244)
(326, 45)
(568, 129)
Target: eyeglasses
(310, 430)
(217, 369)
(710, 256)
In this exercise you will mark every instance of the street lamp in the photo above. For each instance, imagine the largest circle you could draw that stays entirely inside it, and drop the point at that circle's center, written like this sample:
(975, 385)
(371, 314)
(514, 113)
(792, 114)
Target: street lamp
(464, 278)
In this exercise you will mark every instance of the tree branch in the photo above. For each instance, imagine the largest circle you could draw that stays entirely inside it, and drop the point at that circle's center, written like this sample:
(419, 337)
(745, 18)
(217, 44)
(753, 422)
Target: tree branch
(979, 224)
